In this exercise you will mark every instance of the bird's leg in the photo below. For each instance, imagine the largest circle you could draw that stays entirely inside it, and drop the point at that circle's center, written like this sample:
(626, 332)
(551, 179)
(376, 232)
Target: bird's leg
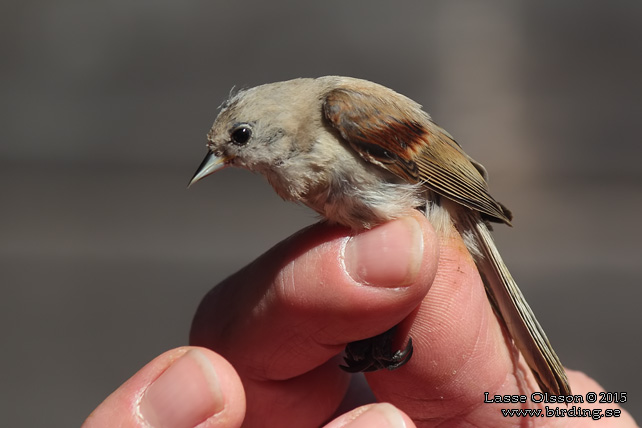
(375, 353)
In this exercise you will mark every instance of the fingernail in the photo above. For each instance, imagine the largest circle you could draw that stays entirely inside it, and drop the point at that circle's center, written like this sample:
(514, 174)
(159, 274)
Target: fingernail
(185, 395)
(389, 255)
(381, 415)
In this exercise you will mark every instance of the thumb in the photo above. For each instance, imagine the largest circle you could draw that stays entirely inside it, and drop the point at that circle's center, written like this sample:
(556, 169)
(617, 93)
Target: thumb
(181, 388)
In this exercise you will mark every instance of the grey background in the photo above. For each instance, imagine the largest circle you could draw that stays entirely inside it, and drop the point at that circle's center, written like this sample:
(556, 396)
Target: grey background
(104, 255)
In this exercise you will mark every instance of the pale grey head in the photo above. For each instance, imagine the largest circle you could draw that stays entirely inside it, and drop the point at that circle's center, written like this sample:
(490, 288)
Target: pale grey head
(279, 130)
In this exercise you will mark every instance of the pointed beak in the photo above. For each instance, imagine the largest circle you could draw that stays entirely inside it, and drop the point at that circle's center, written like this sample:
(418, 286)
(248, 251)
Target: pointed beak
(210, 165)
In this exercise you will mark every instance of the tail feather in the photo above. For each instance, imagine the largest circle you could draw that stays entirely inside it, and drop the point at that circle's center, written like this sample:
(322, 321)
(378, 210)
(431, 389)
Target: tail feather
(510, 305)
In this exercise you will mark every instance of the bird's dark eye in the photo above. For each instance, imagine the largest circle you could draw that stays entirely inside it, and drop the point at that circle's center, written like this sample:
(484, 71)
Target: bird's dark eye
(241, 134)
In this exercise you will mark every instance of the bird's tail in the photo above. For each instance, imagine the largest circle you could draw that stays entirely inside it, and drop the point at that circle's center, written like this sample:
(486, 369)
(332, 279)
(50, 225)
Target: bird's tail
(511, 307)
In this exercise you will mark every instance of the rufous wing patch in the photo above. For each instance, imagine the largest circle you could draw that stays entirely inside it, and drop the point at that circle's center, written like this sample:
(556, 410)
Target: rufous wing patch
(393, 132)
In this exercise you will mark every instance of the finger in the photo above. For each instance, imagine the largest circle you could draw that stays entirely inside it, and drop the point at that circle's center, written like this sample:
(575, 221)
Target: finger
(183, 387)
(461, 351)
(285, 316)
(378, 415)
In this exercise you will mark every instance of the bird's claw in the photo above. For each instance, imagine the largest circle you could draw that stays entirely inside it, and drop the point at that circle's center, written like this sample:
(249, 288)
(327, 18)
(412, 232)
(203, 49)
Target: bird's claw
(375, 353)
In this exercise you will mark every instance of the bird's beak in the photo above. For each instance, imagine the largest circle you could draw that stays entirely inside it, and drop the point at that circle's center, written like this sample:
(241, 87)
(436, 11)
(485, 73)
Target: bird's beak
(210, 165)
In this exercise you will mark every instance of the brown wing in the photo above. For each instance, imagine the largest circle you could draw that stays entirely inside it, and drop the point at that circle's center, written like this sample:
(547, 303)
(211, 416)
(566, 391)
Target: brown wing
(392, 131)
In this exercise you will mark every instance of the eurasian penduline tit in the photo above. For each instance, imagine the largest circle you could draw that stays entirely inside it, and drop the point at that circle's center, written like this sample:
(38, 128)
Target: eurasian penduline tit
(361, 154)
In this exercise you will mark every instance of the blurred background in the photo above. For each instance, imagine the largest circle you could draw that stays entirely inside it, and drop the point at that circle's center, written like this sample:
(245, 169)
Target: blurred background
(104, 254)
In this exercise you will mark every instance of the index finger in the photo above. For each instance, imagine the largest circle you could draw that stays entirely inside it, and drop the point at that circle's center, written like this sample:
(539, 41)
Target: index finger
(283, 319)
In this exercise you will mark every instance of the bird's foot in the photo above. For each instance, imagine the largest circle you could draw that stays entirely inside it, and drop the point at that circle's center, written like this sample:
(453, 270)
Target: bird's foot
(375, 353)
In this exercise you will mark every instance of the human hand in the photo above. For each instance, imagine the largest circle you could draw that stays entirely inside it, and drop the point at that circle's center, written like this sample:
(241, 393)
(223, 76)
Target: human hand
(282, 320)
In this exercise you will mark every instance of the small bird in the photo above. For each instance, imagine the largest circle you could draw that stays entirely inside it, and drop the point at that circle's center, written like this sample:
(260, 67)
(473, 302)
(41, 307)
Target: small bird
(361, 154)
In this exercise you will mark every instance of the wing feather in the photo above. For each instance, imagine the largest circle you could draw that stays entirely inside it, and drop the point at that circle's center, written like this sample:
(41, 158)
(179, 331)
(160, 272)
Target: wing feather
(391, 131)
